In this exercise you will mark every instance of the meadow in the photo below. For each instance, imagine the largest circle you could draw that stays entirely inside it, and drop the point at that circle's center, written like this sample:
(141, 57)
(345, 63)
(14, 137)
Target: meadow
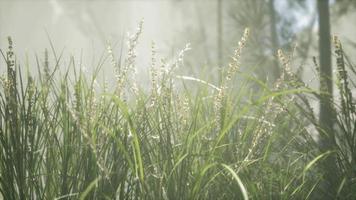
(69, 136)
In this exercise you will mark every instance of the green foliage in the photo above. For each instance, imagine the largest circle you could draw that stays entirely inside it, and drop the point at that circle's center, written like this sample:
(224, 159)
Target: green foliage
(62, 137)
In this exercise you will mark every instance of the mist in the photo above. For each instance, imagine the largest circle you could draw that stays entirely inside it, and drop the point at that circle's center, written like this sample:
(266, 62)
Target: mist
(177, 99)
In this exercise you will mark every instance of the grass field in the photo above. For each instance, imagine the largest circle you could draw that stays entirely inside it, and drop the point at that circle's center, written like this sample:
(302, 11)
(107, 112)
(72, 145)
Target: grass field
(66, 136)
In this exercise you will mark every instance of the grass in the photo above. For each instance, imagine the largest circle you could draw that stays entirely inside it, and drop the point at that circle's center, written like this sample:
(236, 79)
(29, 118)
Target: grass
(64, 136)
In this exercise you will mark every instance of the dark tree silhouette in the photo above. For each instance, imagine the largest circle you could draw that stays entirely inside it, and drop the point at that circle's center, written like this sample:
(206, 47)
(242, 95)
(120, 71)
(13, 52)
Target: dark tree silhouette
(274, 37)
(326, 114)
(219, 35)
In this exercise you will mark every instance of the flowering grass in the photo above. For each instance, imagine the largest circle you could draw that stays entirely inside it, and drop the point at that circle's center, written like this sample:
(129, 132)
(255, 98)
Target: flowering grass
(69, 137)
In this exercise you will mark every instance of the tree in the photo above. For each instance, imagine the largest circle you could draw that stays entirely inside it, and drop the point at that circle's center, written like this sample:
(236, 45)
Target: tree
(271, 29)
(219, 39)
(326, 114)
(345, 6)
(326, 87)
(254, 14)
(274, 37)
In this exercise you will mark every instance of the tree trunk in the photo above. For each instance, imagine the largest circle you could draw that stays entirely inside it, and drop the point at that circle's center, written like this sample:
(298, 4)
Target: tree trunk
(274, 39)
(326, 115)
(219, 38)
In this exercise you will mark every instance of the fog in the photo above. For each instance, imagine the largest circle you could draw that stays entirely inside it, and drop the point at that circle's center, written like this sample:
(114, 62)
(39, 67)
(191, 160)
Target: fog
(177, 99)
(85, 28)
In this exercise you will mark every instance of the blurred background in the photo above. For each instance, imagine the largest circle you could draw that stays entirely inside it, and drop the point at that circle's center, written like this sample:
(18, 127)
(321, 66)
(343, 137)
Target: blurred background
(84, 28)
